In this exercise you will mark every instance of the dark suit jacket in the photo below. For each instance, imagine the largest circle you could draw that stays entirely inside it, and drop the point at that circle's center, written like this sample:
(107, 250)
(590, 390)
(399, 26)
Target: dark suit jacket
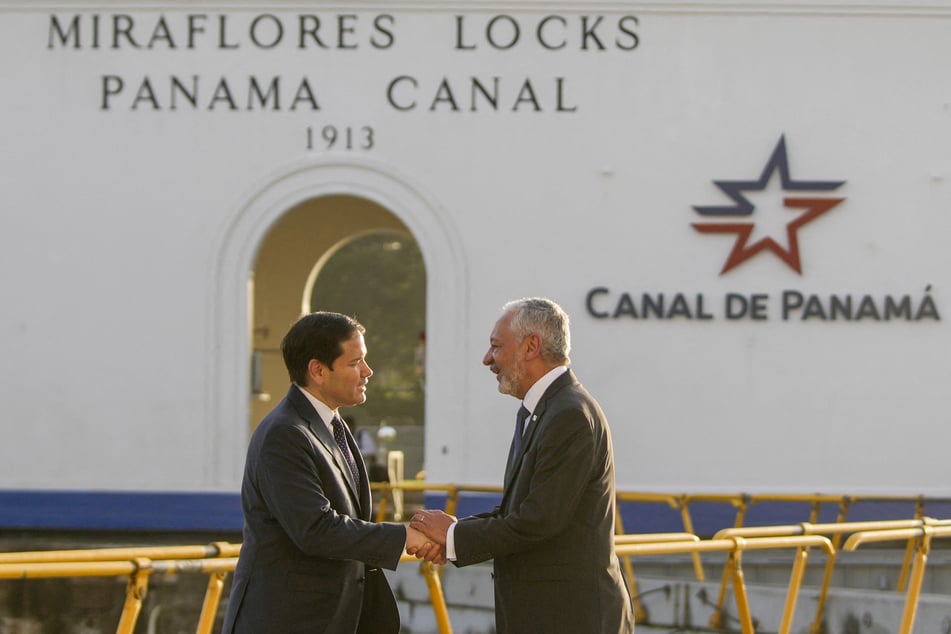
(311, 559)
(552, 537)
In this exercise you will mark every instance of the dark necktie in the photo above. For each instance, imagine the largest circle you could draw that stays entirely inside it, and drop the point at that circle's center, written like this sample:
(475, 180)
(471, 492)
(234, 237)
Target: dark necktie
(519, 431)
(341, 437)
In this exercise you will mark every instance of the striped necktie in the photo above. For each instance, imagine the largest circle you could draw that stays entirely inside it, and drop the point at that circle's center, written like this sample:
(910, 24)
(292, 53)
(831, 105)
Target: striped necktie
(341, 437)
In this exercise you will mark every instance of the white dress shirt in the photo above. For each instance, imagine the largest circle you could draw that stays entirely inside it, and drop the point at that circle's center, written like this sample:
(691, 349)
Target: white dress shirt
(326, 414)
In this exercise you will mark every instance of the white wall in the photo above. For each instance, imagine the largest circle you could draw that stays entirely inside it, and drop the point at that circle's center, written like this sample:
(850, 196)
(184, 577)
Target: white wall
(127, 234)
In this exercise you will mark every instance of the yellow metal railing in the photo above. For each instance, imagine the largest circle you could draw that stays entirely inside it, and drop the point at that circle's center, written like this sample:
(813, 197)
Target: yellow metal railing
(920, 537)
(681, 502)
(640, 613)
(452, 492)
(735, 547)
(677, 502)
(837, 530)
(138, 570)
(215, 549)
(218, 559)
(138, 564)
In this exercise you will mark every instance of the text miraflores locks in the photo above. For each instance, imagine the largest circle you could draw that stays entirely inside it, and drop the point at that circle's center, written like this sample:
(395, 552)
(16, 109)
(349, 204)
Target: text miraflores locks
(347, 31)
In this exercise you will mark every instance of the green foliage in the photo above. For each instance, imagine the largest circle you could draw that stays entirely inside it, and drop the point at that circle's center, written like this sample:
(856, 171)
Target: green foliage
(380, 279)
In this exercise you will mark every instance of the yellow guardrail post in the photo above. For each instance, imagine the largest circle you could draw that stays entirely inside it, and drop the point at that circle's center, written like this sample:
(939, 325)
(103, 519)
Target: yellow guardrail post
(216, 583)
(452, 500)
(816, 626)
(803, 543)
(640, 614)
(383, 488)
(687, 521)
(795, 579)
(910, 548)
(734, 566)
(914, 586)
(209, 606)
(716, 619)
(431, 573)
(816, 507)
(136, 590)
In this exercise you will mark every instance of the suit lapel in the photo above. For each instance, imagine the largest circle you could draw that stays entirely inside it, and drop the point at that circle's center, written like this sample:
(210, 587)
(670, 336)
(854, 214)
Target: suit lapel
(532, 424)
(319, 428)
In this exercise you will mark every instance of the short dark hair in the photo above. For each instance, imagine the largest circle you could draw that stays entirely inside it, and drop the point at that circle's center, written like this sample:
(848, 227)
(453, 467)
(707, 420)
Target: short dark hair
(319, 336)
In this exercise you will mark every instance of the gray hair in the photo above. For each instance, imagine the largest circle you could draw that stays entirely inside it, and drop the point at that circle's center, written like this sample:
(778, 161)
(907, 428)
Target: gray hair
(541, 316)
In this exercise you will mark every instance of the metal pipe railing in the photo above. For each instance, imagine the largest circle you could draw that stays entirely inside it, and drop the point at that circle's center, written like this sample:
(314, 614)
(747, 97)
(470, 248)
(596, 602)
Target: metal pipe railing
(219, 558)
(921, 536)
(735, 547)
(131, 562)
(214, 549)
(452, 493)
(138, 569)
(741, 502)
(837, 529)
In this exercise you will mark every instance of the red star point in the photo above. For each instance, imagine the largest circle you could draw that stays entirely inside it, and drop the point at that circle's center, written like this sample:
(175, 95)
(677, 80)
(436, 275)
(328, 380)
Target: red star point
(743, 251)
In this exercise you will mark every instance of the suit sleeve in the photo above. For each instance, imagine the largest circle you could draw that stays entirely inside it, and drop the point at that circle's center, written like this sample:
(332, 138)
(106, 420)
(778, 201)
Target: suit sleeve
(297, 485)
(561, 464)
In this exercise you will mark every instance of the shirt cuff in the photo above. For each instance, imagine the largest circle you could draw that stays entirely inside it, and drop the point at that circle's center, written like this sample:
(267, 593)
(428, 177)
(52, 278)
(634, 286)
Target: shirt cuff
(451, 542)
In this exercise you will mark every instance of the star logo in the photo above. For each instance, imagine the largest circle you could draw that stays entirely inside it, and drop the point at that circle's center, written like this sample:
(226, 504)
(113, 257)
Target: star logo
(764, 218)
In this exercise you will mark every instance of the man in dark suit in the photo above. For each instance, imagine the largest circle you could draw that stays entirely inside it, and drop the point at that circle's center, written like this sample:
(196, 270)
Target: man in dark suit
(552, 537)
(311, 558)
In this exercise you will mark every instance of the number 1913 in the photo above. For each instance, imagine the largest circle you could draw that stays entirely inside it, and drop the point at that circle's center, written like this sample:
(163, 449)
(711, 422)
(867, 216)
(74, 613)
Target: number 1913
(344, 138)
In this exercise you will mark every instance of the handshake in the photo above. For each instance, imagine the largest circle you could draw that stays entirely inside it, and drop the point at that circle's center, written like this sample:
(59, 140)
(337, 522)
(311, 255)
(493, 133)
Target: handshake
(426, 535)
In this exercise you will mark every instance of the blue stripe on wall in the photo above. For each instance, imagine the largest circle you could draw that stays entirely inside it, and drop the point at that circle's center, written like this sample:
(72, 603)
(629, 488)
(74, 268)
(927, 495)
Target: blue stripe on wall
(710, 517)
(112, 510)
(191, 511)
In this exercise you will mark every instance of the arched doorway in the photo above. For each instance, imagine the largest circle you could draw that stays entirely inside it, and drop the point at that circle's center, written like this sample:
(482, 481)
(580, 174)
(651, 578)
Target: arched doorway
(346, 254)
(380, 199)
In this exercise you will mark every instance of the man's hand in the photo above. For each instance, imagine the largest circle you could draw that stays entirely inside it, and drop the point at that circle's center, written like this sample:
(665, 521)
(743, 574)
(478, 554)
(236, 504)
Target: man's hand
(435, 524)
(419, 545)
